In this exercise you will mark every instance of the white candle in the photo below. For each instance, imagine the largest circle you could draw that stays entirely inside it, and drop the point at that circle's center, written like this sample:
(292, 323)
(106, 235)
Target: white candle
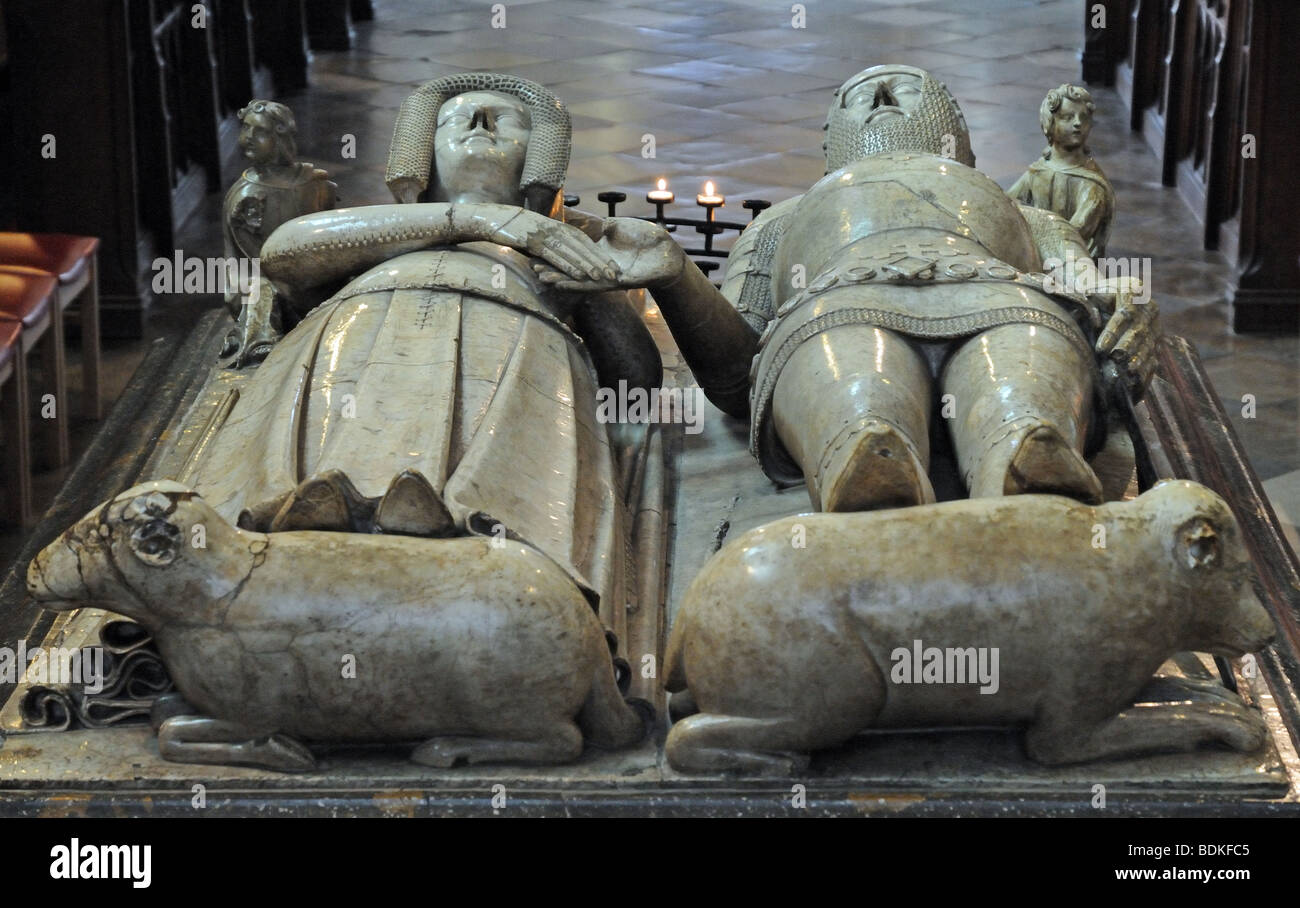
(661, 194)
(710, 199)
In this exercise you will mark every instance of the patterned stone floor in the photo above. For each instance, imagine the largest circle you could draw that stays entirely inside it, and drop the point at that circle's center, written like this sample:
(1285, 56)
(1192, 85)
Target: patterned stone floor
(733, 91)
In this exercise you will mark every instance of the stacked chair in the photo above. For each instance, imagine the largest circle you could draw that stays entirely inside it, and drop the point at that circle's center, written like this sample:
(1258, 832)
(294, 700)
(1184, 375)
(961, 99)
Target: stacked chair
(42, 275)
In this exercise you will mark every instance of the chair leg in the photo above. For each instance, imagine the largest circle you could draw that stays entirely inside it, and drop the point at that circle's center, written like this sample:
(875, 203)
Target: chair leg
(54, 427)
(92, 406)
(15, 459)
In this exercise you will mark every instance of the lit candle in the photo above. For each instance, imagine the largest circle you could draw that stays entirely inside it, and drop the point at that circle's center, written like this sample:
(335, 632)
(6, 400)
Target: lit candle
(708, 199)
(661, 195)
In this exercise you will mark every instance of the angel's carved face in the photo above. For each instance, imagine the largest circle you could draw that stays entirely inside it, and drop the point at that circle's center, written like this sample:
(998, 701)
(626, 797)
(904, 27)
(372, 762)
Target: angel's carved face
(480, 145)
(1071, 124)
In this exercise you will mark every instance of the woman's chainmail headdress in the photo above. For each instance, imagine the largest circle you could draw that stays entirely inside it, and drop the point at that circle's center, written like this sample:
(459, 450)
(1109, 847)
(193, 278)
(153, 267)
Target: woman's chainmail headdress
(410, 156)
(923, 128)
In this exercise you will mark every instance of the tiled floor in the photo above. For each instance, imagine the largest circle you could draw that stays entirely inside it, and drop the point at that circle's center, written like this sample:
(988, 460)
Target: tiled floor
(732, 91)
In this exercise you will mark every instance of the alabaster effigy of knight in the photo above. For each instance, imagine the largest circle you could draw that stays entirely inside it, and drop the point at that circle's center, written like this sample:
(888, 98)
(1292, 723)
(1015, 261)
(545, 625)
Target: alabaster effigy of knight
(1067, 179)
(905, 277)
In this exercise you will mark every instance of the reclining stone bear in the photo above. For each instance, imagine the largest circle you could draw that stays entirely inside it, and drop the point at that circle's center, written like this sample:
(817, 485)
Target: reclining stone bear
(258, 632)
(794, 637)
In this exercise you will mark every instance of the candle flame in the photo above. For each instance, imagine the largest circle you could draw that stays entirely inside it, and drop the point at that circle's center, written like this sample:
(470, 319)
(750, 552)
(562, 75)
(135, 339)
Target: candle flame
(662, 184)
(708, 188)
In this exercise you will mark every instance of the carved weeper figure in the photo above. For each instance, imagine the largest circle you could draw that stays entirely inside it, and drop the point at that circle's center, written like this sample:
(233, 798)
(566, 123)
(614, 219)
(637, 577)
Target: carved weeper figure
(256, 643)
(809, 655)
(1067, 180)
(275, 188)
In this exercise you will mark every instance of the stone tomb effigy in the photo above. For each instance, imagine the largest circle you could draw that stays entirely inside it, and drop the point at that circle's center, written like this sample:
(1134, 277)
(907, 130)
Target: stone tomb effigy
(457, 597)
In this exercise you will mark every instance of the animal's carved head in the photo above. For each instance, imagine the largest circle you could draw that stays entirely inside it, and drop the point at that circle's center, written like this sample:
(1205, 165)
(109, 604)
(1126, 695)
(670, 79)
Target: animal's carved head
(126, 551)
(1213, 569)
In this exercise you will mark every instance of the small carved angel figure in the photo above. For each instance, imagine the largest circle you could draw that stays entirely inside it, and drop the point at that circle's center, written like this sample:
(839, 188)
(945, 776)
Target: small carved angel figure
(1066, 180)
(275, 188)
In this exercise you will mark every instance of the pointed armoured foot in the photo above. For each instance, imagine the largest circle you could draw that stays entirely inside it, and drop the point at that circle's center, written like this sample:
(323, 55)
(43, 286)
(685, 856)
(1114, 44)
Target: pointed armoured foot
(1045, 462)
(874, 467)
(1035, 459)
(411, 507)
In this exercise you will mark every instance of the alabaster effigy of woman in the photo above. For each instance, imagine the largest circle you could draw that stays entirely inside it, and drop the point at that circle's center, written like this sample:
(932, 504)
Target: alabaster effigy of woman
(416, 474)
(274, 188)
(1067, 179)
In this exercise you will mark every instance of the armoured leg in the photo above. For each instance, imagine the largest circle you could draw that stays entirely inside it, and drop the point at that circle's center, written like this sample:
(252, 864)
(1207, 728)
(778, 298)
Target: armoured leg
(852, 407)
(1021, 396)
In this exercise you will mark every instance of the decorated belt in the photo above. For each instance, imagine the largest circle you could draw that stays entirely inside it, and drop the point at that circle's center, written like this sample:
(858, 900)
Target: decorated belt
(912, 270)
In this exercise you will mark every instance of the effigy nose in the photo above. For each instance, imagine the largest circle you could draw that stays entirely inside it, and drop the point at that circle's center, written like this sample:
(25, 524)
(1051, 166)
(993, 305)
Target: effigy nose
(884, 97)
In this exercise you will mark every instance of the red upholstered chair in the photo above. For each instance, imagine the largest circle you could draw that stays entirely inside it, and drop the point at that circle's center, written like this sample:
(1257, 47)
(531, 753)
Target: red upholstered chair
(74, 261)
(32, 299)
(15, 450)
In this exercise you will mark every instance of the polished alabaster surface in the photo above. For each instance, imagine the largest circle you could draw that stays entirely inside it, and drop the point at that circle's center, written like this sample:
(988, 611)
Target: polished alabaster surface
(417, 474)
(843, 613)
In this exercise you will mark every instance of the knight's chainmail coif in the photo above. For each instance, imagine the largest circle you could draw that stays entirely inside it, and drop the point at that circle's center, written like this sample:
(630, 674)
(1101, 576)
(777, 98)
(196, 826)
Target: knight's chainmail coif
(935, 126)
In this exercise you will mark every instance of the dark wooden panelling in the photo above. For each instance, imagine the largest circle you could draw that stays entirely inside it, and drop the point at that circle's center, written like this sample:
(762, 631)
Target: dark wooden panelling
(141, 102)
(329, 24)
(1199, 76)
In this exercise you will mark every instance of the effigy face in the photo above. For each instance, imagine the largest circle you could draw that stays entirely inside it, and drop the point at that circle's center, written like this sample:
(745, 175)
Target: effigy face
(481, 142)
(884, 92)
